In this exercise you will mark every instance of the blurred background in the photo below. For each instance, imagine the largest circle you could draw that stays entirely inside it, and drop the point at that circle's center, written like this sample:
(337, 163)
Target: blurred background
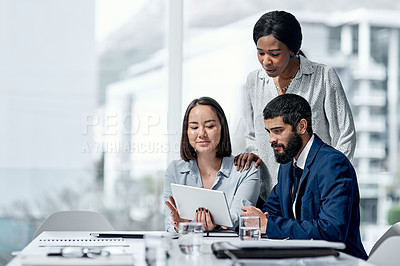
(92, 95)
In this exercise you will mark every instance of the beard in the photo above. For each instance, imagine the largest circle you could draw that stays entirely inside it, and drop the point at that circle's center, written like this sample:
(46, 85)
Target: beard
(290, 151)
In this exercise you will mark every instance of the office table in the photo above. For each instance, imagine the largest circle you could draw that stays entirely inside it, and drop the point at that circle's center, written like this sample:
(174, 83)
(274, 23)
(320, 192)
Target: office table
(35, 253)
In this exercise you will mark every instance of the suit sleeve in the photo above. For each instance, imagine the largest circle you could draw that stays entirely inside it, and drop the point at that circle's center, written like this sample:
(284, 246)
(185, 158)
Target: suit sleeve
(272, 204)
(330, 204)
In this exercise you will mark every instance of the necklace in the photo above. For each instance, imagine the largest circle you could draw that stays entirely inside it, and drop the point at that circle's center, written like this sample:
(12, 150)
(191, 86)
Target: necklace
(209, 174)
(284, 89)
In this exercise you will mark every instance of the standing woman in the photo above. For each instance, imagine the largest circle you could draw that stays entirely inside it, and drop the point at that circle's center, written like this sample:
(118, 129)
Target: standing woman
(285, 69)
(207, 162)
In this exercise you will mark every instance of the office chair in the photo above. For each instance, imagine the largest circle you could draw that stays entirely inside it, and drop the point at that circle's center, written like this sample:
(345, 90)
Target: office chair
(394, 230)
(387, 253)
(74, 221)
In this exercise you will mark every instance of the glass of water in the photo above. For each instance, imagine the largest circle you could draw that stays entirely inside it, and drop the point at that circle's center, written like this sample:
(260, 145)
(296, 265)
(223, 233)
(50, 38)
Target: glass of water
(249, 228)
(190, 237)
(157, 246)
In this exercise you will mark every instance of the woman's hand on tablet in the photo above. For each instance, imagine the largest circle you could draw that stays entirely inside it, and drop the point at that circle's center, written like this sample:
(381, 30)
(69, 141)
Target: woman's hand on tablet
(204, 216)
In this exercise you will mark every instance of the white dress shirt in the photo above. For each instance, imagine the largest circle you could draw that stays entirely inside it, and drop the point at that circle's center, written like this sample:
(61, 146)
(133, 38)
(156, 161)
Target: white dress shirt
(301, 162)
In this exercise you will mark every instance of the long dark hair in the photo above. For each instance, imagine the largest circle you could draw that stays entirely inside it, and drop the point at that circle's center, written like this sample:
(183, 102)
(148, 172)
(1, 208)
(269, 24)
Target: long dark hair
(224, 146)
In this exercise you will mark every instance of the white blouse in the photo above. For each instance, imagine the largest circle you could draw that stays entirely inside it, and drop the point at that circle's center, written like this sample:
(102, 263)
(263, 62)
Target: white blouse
(332, 119)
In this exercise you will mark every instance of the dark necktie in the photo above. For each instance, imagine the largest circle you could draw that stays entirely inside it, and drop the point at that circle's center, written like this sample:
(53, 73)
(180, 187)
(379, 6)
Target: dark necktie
(297, 172)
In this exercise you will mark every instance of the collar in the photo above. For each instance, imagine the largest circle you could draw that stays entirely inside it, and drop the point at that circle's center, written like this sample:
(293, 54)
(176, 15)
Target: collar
(301, 161)
(226, 166)
(305, 68)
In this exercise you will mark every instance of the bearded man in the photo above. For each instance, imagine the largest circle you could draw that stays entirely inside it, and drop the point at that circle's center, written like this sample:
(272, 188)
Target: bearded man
(317, 195)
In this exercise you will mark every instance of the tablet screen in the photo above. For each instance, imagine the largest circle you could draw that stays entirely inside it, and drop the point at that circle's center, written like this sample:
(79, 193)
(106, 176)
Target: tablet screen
(188, 199)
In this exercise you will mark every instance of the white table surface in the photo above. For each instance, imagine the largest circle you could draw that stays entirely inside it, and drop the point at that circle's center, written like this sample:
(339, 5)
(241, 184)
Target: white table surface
(35, 253)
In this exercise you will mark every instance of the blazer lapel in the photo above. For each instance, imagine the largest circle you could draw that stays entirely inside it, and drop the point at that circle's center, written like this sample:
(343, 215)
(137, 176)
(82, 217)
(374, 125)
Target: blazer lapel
(311, 157)
(309, 161)
(312, 153)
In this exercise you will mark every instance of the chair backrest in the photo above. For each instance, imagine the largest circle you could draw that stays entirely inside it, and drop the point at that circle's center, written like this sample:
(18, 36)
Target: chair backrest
(386, 254)
(394, 230)
(74, 221)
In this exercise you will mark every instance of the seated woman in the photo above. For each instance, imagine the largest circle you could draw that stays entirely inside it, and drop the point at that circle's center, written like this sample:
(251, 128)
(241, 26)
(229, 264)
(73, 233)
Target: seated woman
(207, 162)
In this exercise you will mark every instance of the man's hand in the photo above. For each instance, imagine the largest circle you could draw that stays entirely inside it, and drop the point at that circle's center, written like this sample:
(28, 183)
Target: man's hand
(176, 219)
(253, 211)
(243, 161)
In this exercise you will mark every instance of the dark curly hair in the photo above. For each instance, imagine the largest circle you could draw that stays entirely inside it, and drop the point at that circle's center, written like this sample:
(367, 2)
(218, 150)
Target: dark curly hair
(292, 108)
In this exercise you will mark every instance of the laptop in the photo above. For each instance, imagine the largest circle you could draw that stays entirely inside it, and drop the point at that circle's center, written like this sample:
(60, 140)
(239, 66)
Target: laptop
(188, 199)
(276, 249)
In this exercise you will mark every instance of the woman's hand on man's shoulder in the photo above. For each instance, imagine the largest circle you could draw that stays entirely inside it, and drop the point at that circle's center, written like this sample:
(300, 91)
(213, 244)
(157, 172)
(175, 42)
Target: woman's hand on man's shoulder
(243, 161)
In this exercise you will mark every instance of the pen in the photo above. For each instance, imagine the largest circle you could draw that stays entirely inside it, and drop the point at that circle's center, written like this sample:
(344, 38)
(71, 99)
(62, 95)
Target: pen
(246, 202)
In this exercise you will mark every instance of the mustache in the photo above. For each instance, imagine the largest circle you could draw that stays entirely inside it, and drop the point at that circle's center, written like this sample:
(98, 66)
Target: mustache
(273, 145)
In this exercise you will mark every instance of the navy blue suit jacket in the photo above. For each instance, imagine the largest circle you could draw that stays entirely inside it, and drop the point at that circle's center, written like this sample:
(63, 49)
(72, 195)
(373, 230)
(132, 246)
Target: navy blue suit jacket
(329, 201)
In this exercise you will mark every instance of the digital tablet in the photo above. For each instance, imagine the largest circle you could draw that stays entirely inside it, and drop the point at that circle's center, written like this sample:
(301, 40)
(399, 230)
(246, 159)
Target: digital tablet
(188, 199)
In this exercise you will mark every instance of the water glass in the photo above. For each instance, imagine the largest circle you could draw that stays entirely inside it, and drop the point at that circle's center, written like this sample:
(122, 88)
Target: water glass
(157, 246)
(249, 228)
(190, 237)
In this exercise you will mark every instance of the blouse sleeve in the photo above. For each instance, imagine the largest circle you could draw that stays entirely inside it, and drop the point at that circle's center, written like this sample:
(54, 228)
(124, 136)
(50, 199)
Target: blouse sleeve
(168, 179)
(249, 115)
(246, 194)
(337, 108)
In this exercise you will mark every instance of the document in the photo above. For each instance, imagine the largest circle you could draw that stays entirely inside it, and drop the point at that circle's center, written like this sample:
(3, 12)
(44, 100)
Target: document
(289, 244)
(222, 233)
(120, 260)
(77, 242)
(123, 234)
